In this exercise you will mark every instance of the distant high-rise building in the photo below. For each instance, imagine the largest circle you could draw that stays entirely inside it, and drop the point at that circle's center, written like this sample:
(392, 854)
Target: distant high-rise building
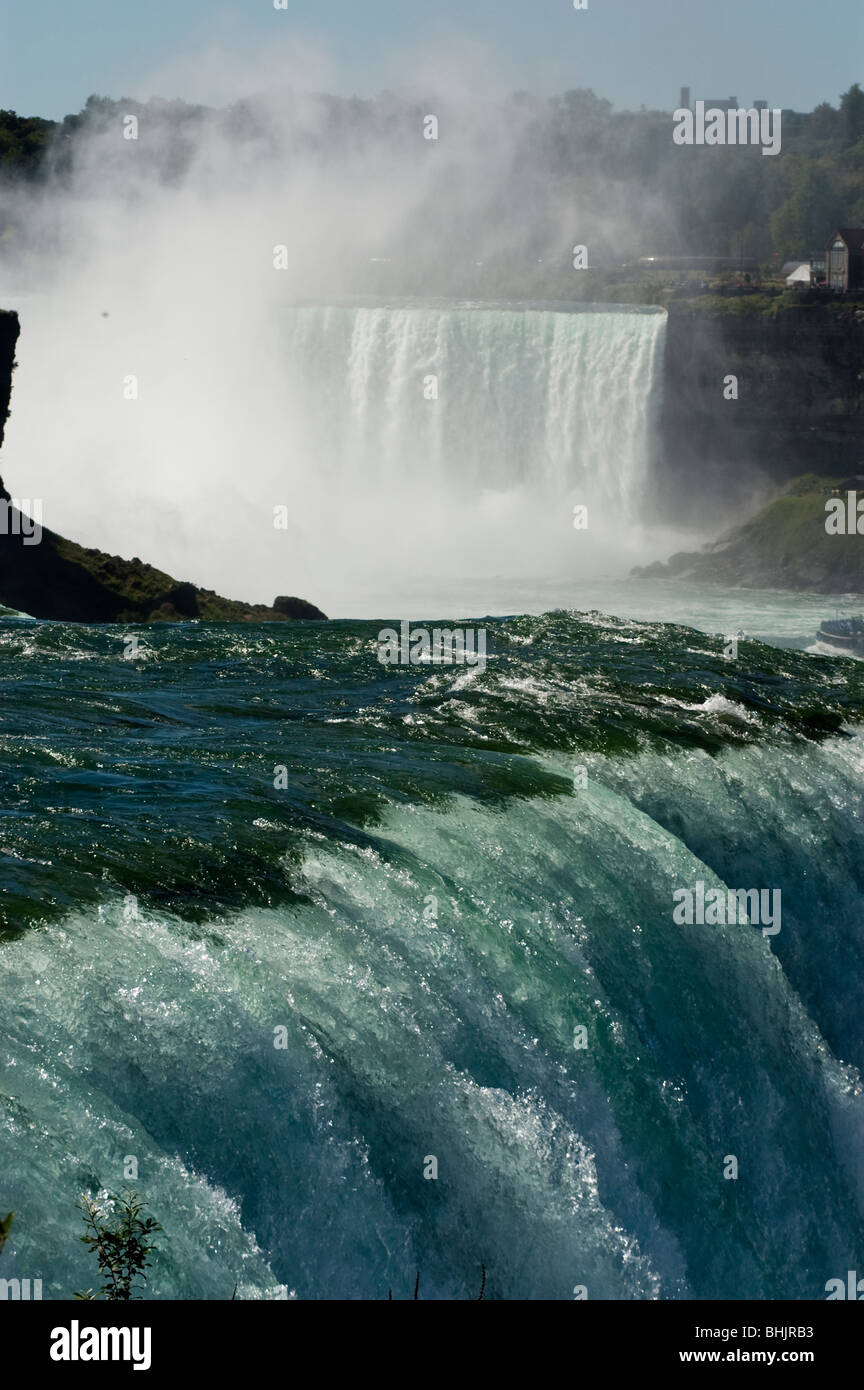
(684, 104)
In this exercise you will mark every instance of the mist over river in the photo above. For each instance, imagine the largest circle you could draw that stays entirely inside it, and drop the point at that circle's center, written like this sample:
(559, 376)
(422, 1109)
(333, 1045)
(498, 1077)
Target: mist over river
(351, 450)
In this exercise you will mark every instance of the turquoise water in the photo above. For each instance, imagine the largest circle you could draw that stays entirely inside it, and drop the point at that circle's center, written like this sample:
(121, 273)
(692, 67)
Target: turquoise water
(421, 913)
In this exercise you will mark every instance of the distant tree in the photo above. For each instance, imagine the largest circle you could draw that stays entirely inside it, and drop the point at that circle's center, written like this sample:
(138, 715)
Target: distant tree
(23, 141)
(852, 114)
(576, 169)
(823, 123)
(812, 211)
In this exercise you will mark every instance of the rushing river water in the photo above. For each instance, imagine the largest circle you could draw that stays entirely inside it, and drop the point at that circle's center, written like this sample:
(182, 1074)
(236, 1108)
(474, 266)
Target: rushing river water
(283, 924)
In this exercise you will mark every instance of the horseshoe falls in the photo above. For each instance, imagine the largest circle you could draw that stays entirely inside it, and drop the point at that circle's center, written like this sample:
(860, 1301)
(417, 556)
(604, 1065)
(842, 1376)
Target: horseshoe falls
(464, 436)
(470, 400)
(411, 447)
(361, 970)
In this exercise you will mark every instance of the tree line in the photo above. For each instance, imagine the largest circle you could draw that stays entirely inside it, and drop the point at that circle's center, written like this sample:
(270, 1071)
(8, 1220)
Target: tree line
(614, 169)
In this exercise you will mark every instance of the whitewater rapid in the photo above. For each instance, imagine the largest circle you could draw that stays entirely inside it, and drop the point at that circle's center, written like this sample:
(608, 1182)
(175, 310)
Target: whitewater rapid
(283, 1004)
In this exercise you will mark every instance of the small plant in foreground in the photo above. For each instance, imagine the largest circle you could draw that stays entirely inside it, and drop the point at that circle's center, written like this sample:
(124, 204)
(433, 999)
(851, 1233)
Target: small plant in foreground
(479, 1298)
(120, 1240)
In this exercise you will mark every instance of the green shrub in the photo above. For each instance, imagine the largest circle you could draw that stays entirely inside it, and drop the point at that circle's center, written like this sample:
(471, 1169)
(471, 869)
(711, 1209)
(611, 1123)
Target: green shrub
(120, 1240)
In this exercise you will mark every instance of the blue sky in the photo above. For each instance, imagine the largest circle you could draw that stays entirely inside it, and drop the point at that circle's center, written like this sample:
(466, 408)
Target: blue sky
(54, 53)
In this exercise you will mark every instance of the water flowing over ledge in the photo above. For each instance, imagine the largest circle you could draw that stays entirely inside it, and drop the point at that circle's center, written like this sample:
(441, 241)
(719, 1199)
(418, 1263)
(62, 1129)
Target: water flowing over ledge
(401, 443)
(426, 910)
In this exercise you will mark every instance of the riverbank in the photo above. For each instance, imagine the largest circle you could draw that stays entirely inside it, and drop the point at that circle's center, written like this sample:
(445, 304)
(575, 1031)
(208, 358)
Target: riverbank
(784, 546)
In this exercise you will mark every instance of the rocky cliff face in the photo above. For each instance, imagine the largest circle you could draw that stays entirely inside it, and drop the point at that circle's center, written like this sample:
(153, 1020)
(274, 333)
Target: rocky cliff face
(51, 577)
(9, 330)
(800, 406)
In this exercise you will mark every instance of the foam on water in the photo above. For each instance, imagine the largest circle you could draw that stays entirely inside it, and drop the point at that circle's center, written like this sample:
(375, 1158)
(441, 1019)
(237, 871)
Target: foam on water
(411, 1034)
(427, 911)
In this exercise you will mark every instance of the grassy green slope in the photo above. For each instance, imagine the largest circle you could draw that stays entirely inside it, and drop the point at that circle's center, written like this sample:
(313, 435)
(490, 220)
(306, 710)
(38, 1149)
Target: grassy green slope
(785, 545)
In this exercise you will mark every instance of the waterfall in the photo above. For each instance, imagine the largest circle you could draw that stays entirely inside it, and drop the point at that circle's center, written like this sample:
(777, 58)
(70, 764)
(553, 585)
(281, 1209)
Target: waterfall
(466, 401)
(461, 438)
(403, 446)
